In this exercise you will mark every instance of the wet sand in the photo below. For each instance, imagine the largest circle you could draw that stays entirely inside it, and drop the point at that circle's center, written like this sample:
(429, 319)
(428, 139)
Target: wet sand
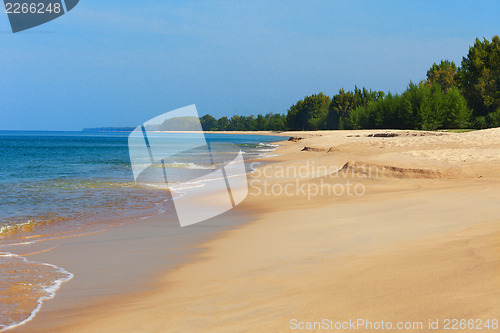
(420, 242)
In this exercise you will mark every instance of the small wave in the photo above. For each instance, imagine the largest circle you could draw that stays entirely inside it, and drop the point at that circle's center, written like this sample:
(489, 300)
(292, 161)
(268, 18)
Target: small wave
(61, 184)
(49, 290)
(273, 155)
(270, 145)
(14, 228)
(264, 150)
(172, 186)
(179, 165)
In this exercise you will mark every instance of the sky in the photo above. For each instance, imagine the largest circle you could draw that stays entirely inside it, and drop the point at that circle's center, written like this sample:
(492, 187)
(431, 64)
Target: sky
(122, 62)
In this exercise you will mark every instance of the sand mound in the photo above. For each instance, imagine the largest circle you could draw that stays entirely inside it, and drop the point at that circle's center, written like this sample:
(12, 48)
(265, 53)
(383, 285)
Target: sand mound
(374, 170)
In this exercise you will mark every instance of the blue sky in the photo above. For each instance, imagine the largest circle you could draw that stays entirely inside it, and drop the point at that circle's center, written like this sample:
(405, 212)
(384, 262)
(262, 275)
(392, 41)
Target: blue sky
(120, 63)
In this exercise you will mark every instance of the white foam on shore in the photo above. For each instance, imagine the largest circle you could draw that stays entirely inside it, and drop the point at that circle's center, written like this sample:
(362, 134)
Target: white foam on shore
(267, 149)
(272, 155)
(177, 165)
(261, 144)
(189, 165)
(15, 227)
(50, 290)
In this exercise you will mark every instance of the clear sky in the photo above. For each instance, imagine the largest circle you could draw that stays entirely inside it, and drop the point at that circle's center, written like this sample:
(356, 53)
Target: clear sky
(122, 62)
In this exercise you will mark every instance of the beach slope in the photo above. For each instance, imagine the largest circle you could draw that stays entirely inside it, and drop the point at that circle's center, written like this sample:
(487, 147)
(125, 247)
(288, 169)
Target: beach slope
(393, 226)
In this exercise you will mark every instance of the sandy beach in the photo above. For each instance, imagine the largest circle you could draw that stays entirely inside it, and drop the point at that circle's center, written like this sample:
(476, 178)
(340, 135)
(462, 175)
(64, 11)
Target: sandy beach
(379, 225)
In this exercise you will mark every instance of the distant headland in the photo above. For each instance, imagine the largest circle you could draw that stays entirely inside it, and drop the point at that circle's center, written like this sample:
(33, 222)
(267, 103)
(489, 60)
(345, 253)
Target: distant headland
(109, 129)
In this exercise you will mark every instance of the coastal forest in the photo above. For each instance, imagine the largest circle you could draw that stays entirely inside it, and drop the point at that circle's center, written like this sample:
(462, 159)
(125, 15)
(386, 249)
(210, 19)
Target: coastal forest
(450, 97)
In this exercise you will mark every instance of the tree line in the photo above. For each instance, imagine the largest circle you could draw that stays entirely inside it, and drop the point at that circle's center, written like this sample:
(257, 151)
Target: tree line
(450, 97)
(268, 122)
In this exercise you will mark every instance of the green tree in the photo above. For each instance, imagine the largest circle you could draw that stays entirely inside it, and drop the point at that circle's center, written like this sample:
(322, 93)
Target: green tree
(295, 119)
(223, 124)
(208, 123)
(309, 113)
(236, 123)
(421, 106)
(479, 76)
(431, 108)
(444, 74)
(249, 123)
(261, 123)
(342, 104)
(494, 118)
(275, 122)
(316, 107)
(458, 114)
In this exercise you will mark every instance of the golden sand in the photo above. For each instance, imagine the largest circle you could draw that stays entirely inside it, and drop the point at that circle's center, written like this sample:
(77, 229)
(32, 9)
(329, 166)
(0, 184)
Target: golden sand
(422, 242)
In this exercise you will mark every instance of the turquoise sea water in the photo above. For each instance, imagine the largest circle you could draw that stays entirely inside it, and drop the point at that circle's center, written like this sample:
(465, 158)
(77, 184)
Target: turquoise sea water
(56, 185)
(76, 177)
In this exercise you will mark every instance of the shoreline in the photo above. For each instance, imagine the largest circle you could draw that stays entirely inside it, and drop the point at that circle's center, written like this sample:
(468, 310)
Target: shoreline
(401, 189)
(35, 246)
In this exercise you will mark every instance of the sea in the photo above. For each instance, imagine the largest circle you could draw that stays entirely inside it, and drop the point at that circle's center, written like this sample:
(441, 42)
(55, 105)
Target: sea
(61, 183)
